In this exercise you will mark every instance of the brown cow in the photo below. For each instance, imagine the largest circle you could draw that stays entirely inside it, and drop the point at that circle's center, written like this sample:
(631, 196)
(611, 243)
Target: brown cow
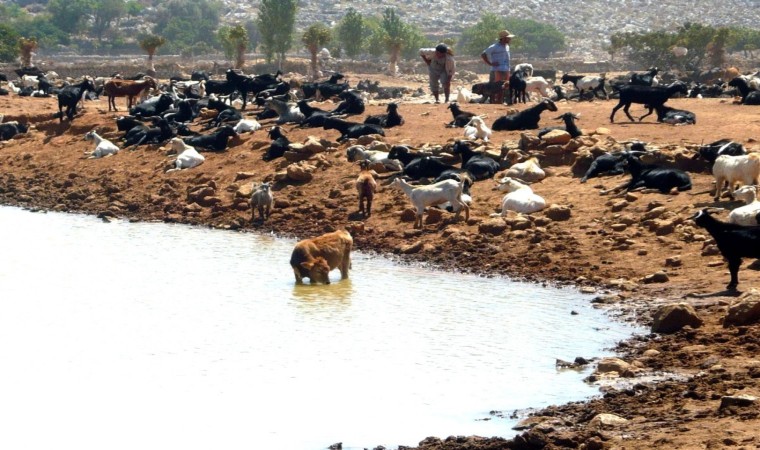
(315, 258)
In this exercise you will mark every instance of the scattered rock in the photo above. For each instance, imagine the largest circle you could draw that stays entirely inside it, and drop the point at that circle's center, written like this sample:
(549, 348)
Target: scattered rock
(673, 317)
(606, 420)
(746, 311)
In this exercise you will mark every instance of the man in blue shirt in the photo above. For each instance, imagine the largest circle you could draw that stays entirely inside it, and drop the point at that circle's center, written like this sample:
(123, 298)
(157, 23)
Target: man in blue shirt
(497, 56)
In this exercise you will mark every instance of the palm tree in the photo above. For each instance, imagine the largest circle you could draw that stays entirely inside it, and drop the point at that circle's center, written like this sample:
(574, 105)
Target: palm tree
(395, 34)
(314, 38)
(27, 47)
(150, 44)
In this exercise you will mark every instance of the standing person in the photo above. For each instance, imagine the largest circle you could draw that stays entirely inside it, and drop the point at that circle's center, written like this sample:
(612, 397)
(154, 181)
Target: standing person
(441, 67)
(497, 56)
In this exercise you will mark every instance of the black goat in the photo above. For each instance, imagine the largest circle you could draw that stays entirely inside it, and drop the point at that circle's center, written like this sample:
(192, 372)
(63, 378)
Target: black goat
(139, 135)
(461, 118)
(490, 90)
(607, 163)
(389, 120)
(517, 88)
(280, 144)
(650, 96)
(352, 103)
(749, 95)
(10, 129)
(570, 126)
(150, 109)
(478, 165)
(215, 142)
(351, 130)
(710, 152)
(126, 123)
(225, 116)
(427, 167)
(652, 177)
(71, 95)
(315, 117)
(524, 120)
(185, 111)
(734, 242)
(326, 89)
(644, 79)
(673, 116)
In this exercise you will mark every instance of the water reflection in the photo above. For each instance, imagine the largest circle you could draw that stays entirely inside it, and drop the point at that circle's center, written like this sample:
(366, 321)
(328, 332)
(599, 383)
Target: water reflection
(200, 339)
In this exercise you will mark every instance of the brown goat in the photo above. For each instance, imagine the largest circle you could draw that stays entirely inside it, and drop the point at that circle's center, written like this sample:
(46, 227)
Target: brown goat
(366, 187)
(117, 87)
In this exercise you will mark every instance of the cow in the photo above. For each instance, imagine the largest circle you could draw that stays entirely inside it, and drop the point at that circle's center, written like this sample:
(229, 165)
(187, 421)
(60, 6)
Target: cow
(315, 258)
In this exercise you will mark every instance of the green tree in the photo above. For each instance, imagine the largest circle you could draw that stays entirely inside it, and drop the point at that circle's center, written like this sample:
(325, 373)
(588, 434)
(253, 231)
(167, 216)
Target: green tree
(8, 43)
(415, 40)
(314, 38)
(43, 29)
(70, 15)
(185, 22)
(395, 33)
(716, 49)
(235, 42)
(150, 44)
(276, 22)
(535, 38)
(254, 36)
(351, 32)
(478, 37)
(106, 12)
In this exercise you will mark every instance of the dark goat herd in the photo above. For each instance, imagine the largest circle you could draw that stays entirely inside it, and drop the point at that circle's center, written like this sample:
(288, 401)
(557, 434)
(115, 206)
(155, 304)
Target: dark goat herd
(167, 111)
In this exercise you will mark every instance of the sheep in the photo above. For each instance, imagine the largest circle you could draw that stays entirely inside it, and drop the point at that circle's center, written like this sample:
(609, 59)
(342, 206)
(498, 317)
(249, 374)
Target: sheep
(351, 130)
(375, 157)
(524, 120)
(673, 116)
(477, 129)
(478, 165)
(645, 176)
(71, 95)
(126, 88)
(187, 156)
(280, 144)
(528, 171)
(103, 147)
(352, 103)
(747, 214)
(246, 126)
(649, 78)
(287, 112)
(434, 194)
(365, 188)
(262, 200)
(651, 96)
(730, 170)
(570, 126)
(749, 96)
(734, 242)
(710, 152)
(391, 119)
(609, 163)
(216, 141)
(461, 118)
(9, 130)
(519, 197)
(586, 83)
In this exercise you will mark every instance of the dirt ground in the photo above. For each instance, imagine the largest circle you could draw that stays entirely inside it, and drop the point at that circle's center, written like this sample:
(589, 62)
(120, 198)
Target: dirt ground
(608, 245)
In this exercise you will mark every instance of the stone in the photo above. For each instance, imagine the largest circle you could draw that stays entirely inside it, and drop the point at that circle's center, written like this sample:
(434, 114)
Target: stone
(494, 226)
(557, 137)
(558, 213)
(737, 400)
(673, 317)
(300, 171)
(607, 420)
(746, 311)
(607, 365)
(657, 277)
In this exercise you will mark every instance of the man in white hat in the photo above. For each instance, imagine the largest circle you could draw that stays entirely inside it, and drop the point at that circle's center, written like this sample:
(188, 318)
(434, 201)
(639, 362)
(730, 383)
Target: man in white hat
(497, 56)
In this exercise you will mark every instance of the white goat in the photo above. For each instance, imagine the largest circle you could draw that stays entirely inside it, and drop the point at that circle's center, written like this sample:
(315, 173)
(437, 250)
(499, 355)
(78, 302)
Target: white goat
(187, 156)
(744, 169)
(747, 214)
(519, 198)
(463, 95)
(539, 85)
(434, 194)
(246, 126)
(262, 200)
(103, 147)
(477, 129)
(525, 68)
(286, 111)
(379, 159)
(528, 171)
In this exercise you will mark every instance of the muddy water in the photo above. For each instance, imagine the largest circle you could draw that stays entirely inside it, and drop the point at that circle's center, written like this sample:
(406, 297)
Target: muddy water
(152, 336)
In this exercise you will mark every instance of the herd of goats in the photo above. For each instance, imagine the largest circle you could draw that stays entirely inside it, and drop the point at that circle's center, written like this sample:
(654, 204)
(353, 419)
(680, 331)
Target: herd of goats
(220, 105)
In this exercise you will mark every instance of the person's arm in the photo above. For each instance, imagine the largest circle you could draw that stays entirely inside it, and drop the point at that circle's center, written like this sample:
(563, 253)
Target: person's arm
(424, 58)
(484, 57)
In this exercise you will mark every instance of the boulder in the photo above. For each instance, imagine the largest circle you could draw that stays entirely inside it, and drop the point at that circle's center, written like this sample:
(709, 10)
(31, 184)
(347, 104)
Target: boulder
(606, 420)
(494, 226)
(557, 137)
(673, 317)
(558, 213)
(745, 311)
(607, 365)
(300, 171)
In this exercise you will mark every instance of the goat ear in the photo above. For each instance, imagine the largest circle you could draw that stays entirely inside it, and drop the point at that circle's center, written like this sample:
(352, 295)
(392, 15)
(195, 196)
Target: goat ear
(307, 264)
